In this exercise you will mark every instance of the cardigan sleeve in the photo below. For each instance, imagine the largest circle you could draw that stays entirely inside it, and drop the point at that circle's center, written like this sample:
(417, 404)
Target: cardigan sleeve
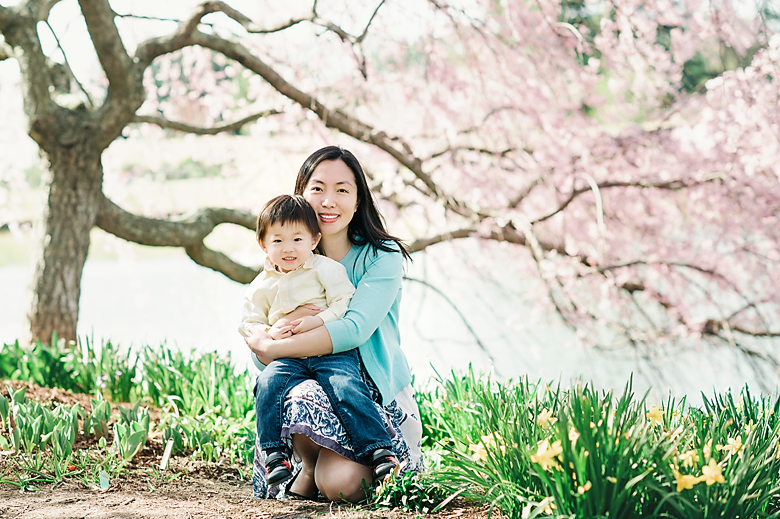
(375, 294)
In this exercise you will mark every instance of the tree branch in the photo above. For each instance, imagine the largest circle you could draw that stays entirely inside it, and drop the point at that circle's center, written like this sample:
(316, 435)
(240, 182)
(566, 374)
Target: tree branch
(219, 262)
(42, 8)
(7, 17)
(754, 333)
(336, 119)
(147, 51)
(188, 233)
(108, 44)
(161, 233)
(19, 30)
(5, 50)
(673, 185)
(370, 21)
(422, 243)
(67, 65)
(247, 23)
(187, 34)
(182, 127)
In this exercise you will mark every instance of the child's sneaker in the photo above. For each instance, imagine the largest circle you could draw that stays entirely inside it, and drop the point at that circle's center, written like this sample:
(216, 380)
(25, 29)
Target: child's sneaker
(279, 469)
(383, 462)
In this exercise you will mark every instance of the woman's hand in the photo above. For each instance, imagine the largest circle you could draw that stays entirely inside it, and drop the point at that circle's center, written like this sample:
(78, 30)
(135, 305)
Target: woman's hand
(259, 343)
(281, 330)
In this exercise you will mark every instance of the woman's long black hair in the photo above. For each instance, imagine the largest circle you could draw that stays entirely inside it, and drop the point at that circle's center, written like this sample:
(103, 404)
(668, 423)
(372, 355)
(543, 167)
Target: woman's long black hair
(367, 225)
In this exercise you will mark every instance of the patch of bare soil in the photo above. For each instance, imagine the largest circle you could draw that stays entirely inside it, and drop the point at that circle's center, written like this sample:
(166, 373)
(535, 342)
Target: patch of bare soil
(187, 489)
(202, 493)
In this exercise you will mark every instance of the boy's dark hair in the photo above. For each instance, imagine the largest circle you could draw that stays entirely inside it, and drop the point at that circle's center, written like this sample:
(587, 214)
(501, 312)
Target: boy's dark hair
(286, 209)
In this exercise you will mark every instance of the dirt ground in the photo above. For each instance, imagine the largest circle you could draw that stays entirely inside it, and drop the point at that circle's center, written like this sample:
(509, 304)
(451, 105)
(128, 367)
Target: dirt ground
(187, 490)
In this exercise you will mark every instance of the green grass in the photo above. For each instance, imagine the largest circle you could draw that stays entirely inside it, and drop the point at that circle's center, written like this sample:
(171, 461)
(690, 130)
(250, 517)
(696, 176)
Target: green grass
(207, 409)
(525, 448)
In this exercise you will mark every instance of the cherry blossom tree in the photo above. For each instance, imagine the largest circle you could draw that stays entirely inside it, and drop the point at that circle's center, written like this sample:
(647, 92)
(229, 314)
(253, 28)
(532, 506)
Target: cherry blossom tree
(644, 197)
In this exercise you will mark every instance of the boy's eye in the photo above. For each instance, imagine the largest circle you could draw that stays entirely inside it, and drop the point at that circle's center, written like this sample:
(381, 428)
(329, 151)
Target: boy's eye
(298, 239)
(277, 240)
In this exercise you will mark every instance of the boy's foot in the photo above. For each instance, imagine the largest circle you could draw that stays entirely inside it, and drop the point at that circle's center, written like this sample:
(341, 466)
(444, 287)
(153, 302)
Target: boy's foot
(277, 464)
(383, 462)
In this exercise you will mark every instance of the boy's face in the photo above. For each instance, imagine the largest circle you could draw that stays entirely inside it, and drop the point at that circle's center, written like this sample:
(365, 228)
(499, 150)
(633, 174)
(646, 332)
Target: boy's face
(288, 246)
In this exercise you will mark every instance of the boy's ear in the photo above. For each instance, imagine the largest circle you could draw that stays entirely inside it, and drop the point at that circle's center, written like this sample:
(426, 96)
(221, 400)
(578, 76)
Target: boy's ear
(315, 240)
(262, 245)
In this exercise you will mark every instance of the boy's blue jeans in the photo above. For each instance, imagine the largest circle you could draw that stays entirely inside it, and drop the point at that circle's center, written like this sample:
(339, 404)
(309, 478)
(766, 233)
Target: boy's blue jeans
(339, 376)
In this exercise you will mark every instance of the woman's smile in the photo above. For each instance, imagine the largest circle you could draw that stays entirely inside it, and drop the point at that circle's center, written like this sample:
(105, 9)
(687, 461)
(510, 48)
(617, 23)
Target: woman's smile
(328, 217)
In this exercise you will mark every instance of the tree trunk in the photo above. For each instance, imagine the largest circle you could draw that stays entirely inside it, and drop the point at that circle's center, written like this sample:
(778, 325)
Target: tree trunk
(73, 189)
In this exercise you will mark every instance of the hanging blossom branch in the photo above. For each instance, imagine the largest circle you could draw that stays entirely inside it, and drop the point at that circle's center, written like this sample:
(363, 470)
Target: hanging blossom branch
(463, 319)
(188, 233)
(671, 185)
(188, 35)
(710, 326)
(183, 127)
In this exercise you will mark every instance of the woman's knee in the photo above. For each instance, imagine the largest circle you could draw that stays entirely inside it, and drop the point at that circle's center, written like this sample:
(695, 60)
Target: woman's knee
(305, 449)
(340, 479)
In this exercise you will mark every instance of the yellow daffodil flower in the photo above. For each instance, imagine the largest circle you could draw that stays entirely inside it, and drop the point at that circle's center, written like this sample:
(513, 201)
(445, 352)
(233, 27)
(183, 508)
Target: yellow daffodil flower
(573, 436)
(546, 454)
(493, 440)
(689, 458)
(711, 473)
(685, 481)
(708, 449)
(545, 418)
(733, 447)
(480, 453)
(655, 415)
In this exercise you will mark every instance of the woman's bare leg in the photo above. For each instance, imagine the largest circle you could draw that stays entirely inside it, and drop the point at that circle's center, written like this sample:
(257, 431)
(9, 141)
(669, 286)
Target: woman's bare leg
(308, 452)
(340, 479)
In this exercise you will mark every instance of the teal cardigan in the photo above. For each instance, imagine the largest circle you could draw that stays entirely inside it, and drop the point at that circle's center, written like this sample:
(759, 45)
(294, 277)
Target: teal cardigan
(371, 323)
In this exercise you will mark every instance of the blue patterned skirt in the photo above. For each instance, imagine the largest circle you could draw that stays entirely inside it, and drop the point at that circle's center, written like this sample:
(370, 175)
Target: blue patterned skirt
(307, 411)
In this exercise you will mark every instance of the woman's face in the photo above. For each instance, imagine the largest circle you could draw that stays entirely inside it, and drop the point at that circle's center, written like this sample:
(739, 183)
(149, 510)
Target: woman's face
(332, 192)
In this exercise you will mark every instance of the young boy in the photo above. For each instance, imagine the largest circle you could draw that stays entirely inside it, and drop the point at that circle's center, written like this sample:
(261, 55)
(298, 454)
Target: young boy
(288, 232)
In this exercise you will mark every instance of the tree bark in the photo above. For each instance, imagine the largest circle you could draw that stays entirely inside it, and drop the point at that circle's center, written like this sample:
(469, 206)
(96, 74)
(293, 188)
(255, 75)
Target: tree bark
(72, 200)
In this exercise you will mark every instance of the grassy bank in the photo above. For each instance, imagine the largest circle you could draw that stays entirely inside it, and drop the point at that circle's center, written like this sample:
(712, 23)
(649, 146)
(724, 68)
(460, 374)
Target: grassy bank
(525, 447)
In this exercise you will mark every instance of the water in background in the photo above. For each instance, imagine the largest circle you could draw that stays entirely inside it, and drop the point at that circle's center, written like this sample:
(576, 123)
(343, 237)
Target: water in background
(452, 316)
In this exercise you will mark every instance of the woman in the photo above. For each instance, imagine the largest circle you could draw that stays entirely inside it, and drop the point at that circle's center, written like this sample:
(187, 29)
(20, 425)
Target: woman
(353, 233)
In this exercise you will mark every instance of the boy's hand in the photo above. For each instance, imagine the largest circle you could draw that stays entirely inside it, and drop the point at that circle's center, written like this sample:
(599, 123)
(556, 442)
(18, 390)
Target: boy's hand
(303, 311)
(281, 329)
(304, 324)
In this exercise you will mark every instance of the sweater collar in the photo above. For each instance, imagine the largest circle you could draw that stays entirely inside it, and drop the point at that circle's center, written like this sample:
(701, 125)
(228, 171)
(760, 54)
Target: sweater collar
(270, 267)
